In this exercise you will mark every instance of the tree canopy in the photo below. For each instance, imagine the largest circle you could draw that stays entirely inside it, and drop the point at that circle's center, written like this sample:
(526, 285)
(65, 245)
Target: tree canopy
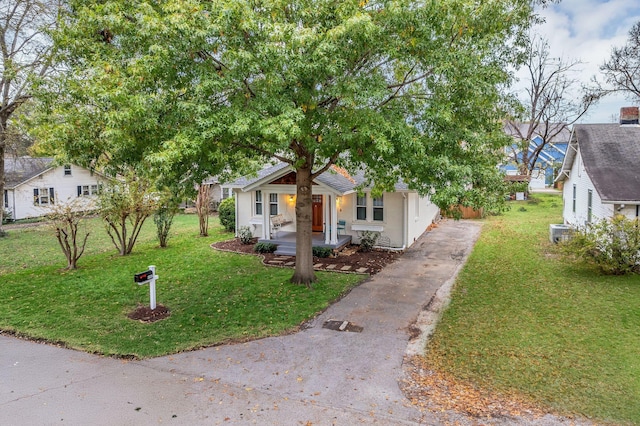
(401, 89)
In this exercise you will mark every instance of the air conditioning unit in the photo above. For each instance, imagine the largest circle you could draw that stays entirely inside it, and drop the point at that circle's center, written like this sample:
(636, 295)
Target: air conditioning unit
(559, 232)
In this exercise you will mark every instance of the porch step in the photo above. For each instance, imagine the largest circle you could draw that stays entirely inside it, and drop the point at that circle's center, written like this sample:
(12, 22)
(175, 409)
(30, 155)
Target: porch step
(284, 250)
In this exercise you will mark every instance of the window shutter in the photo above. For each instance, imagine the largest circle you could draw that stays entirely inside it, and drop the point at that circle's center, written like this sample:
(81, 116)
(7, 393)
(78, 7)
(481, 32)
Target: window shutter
(36, 196)
(79, 190)
(51, 195)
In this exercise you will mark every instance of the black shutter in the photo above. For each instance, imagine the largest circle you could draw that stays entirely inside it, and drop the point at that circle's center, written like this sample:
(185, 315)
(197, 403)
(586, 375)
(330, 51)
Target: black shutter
(79, 190)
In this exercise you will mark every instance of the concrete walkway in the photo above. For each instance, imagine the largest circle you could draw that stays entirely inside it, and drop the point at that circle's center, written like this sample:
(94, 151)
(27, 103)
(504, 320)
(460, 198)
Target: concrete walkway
(314, 377)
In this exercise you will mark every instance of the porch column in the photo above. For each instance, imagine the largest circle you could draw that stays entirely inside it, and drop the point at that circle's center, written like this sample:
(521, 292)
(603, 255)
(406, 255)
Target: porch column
(266, 222)
(334, 220)
(327, 218)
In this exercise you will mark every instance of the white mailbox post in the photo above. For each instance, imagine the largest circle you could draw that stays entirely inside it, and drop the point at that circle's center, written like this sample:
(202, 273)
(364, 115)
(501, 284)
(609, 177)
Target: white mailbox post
(150, 277)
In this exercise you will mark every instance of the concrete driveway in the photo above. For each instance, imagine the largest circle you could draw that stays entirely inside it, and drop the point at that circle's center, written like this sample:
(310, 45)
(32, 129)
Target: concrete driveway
(317, 376)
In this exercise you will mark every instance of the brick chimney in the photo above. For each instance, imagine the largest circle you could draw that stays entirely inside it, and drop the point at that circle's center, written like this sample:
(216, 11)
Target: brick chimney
(629, 115)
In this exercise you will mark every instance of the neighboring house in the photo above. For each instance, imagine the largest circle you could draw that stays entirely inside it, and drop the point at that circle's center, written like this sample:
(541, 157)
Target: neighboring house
(600, 171)
(266, 203)
(551, 155)
(32, 185)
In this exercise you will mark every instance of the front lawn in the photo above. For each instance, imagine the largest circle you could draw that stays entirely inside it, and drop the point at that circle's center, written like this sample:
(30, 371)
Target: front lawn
(525, 320)
(214, 297)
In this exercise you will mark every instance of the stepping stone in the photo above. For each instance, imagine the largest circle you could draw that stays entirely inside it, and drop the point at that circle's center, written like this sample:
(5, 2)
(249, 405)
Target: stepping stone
(362, 270)
(346, 268)
(275, 262)
(318, 265)
(283, 258)
(290, 264)
(331, 266)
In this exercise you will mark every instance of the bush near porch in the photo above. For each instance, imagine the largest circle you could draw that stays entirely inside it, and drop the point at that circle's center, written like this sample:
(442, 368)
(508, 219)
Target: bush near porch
(214, 297)
(524, 320)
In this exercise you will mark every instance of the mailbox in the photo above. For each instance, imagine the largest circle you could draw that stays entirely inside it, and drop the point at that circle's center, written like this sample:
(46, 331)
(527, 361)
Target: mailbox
(143, 277)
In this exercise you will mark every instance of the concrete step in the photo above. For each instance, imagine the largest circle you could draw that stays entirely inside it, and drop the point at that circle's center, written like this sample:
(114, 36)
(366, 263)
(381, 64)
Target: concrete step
(285, 250)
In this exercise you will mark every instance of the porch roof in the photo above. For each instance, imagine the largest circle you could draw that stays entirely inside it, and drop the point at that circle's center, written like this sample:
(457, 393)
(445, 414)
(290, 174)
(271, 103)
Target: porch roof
(333, 179)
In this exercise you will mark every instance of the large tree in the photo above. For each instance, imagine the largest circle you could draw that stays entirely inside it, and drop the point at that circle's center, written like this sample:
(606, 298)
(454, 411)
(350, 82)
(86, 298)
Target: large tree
(622, 70)
(24, 53)
(402, 89)
(549, 106)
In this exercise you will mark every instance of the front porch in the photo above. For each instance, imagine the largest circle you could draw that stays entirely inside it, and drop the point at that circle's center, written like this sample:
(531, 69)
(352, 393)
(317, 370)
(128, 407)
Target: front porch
(286, 242)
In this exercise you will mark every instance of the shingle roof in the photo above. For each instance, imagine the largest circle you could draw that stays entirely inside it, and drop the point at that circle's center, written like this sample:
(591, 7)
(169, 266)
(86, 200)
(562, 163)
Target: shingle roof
(611, 157)
(334, 179)
(20, 169)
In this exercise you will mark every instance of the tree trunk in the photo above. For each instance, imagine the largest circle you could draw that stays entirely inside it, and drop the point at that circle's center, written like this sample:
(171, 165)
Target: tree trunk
(304, 273)
(3, 142)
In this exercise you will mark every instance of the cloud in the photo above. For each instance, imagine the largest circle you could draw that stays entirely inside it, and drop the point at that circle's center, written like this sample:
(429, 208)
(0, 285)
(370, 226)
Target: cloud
(586, 31)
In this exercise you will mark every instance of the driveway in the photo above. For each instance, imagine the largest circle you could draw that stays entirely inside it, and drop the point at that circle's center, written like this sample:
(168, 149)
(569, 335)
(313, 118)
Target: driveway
(317, 376)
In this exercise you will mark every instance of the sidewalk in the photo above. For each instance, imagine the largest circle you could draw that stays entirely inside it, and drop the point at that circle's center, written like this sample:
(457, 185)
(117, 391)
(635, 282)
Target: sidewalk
(317, 376)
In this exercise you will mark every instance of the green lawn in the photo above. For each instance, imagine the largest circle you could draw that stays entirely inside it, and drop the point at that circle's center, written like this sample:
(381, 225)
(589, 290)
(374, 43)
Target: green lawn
(213, 296)
(524, 319)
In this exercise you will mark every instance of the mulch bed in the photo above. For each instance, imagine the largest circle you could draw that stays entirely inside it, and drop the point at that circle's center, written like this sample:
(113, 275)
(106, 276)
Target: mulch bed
(374, 260)
(146, 314)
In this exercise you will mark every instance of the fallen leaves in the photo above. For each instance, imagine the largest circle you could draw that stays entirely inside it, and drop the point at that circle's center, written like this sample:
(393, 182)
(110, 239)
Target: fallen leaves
(436, 391)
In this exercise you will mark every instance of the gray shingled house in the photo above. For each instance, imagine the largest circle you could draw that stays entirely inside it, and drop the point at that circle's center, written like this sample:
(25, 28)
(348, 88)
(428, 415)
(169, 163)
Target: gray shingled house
(266, 203)
(601, 170)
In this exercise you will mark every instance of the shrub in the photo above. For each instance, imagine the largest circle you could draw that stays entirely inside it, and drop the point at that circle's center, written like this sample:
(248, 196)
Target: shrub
(265, 248)
(613, 245)
(163, 218)
(227, 213)
(368, 240)
(7, 217)
(322, 251)
(245, 234)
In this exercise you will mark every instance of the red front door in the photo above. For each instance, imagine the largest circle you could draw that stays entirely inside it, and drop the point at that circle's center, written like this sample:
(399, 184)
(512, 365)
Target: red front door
(317, 222)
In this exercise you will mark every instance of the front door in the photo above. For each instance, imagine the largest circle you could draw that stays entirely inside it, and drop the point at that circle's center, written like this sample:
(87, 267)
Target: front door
(317, 222)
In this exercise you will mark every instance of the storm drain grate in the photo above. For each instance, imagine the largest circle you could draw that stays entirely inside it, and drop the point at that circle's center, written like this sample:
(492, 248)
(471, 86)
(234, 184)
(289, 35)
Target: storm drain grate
(338, 325)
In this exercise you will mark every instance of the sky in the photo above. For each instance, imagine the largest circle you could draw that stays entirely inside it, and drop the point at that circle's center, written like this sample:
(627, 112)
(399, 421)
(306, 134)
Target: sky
(586, 31)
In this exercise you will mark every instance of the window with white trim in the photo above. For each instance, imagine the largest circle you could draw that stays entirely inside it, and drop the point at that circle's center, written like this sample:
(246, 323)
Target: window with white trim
(273, 204)
(361, 207)
(226, 193)
(589, 206)
(258, 203)
(378, 209)
(43, 196)
(575, 191)
(67, 170)
(87, 190)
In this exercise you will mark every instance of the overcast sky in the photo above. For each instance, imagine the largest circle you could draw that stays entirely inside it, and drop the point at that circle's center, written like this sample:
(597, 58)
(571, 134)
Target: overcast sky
(586, 30)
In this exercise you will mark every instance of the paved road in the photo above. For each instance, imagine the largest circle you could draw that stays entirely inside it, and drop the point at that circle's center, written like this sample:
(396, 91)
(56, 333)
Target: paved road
(314, 377)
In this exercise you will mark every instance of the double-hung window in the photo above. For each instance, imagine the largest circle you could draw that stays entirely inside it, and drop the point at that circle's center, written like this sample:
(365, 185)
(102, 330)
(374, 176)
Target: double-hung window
(589, 206)
(67, 170)
(87, 190)
(361, 207)
(378, 209)
(258, 203)
(273, 204)
(574, 197)
(43, 196)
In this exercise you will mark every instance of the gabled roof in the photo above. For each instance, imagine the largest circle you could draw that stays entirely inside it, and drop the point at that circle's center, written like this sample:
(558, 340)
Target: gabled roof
(521, 129)
(335, 178)
(18, 170)
(611, 157)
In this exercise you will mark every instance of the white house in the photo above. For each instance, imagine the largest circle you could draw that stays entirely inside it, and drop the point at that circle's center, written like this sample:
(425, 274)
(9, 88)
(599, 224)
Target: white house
(600, 171)
(32, 185)
(266, 203)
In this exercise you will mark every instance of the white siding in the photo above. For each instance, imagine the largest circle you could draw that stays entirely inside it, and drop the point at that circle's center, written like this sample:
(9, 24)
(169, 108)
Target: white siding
(578, 177)
(21, 201)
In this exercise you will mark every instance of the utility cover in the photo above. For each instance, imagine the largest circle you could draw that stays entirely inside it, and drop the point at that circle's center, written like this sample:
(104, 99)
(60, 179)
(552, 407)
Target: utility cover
(340, 325)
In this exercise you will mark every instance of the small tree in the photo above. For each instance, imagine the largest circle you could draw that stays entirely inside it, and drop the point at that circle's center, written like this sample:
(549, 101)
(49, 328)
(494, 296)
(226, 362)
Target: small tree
(124, 206)
(66, 219)
(163, 218)
(203, 202)
(227, 212)
(613, 245)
